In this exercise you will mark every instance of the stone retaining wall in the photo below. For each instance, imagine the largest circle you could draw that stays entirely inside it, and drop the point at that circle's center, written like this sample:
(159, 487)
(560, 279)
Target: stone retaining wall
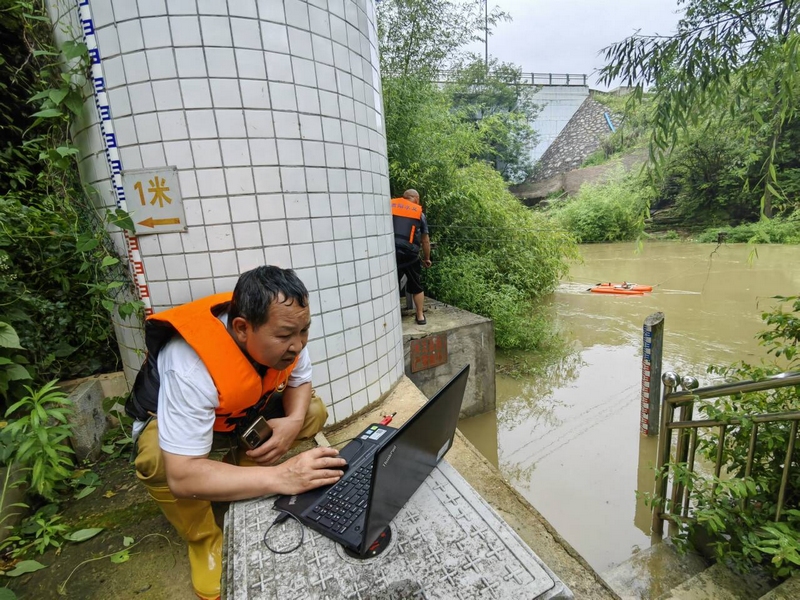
(583, 135)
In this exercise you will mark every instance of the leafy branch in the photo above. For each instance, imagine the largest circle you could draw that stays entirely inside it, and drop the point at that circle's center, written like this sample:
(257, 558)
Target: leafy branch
(726, 58)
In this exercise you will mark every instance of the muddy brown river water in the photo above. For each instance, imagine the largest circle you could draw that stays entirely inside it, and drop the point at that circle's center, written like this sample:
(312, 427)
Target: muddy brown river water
(569, 440)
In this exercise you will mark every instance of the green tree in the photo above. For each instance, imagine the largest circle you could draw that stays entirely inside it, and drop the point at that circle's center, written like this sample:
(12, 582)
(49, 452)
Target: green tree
(708, 173)
(502, 108)
(493, 256)
(727, 57)
(426, 141)
(423, 37)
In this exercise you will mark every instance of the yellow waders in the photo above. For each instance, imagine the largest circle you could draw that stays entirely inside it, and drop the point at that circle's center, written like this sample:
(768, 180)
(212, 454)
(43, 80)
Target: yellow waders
(194, 519)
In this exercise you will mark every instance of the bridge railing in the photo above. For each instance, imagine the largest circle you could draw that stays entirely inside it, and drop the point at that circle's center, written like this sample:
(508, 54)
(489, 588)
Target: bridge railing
(561, 79)
(555, 79)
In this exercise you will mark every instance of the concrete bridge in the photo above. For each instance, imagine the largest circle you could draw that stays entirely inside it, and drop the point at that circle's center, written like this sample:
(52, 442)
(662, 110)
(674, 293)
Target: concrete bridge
(559, 96)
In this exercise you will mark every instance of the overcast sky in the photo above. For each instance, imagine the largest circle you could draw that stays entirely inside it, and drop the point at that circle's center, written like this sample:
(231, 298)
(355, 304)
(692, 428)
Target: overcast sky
(565, 36)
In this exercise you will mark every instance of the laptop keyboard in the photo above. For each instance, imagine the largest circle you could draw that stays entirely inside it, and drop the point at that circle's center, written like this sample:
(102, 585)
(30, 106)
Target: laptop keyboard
(345, 501)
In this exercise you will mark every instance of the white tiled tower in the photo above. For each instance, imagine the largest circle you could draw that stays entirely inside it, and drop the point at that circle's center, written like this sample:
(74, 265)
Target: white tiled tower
(271, 111)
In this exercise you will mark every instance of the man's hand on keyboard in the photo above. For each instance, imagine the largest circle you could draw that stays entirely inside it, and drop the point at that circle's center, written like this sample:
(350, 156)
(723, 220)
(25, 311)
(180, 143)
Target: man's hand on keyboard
(309, 470)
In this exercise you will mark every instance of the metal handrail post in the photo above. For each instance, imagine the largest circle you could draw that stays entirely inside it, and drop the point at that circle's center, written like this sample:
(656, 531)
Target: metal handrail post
(681, 456)
(786, 466)
(670, 380)
(682, 453)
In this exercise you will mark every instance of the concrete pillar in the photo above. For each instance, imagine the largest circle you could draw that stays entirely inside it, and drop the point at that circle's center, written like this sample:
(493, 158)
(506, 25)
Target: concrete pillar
(88, 420)
(271, 111)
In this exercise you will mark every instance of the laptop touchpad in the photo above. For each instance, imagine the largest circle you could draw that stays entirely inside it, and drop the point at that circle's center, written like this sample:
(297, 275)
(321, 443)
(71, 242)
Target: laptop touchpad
(353, 451)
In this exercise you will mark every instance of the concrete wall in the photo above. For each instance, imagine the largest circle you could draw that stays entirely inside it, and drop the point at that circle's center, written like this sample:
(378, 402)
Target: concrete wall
(470, 339)
(583, 135)
(271, 111)
(558, 103)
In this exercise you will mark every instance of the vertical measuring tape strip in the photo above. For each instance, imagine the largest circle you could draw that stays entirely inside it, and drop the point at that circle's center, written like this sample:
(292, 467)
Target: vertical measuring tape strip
(647, 364)
(111, 150)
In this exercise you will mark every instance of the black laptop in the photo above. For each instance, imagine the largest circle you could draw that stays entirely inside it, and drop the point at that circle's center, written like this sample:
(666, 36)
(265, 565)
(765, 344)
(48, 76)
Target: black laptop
(385, 468)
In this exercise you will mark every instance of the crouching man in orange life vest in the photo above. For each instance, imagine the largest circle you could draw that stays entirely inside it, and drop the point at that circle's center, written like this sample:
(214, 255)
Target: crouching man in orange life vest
(213, 366)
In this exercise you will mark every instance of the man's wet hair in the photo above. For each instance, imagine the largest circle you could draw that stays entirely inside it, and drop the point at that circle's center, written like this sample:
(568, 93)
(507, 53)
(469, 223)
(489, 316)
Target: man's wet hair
(258, 288)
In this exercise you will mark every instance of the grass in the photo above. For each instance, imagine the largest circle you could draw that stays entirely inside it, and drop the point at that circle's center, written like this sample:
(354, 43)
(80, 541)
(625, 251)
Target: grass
(774, 231)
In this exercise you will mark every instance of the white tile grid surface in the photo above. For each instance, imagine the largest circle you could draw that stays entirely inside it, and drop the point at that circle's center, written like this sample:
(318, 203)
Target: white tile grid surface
(268, 110)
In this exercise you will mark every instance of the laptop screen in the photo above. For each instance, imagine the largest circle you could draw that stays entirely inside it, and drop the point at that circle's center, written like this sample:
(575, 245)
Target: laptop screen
(411, 454)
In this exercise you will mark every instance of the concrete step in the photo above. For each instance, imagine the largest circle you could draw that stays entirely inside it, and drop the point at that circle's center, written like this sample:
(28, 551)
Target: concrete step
(718, 583)
(652, 572)
(788, 590)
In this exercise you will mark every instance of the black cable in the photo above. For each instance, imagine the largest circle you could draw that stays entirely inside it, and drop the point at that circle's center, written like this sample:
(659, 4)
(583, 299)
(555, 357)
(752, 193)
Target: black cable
(278, 520)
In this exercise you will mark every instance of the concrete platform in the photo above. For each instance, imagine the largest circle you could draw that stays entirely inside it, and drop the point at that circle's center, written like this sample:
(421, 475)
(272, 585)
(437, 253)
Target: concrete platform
(651, 573)
(506, 505)
(788, 590)
(469, 339)
(718, 583)
(446, 543)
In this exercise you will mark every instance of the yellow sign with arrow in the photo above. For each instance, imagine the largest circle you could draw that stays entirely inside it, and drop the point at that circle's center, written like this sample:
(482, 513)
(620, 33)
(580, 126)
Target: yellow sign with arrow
(153, 197)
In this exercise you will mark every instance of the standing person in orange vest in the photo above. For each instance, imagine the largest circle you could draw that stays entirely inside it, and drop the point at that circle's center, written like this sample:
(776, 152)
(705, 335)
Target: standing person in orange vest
(218, 369)
(411, 233)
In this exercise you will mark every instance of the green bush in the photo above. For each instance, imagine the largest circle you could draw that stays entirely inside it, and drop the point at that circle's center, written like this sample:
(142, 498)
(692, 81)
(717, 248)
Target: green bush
(46, 288)
(59, 274)
(608, 212)
(471, 281)
(598, 157)
(774, 231)
(39, 431)
(489, 247)
(495, 257)
(479, 215)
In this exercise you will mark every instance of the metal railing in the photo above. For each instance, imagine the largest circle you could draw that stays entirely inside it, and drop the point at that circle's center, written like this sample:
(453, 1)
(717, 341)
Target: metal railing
(686, 446)
(554, 79)
(531, 79)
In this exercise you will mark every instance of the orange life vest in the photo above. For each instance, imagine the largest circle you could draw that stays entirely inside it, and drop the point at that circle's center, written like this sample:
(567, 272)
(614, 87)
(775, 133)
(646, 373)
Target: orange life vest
(238, 384)
(406, 218)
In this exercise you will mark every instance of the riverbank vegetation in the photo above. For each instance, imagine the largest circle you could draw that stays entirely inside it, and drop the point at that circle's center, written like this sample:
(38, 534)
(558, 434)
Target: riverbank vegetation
(459, 144)
(734, 516)
(719, 120)
(58, 275)
(607, 212)
(60, 282)
(767, 231)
